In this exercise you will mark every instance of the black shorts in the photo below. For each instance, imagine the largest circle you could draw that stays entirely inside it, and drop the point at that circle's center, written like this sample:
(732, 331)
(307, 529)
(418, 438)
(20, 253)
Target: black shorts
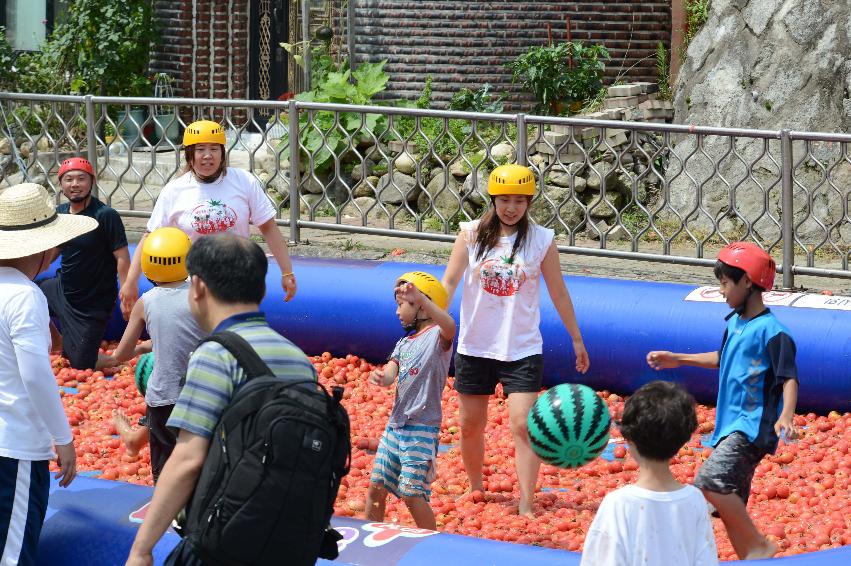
(479, 376)
(730, 467)
(160, 438)
(81, 331)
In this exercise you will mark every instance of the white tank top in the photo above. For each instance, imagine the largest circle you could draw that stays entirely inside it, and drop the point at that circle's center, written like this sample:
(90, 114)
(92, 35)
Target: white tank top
(500, 301)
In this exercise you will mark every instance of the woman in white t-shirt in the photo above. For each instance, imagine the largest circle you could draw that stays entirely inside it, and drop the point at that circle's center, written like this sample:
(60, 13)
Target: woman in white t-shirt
(208, 198)
(503, 256)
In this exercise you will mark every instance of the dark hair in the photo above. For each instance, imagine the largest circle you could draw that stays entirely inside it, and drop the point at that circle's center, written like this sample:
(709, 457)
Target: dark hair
(233, 268)
(732, 273)
(490, 226)
(659, 418)
(189, 156)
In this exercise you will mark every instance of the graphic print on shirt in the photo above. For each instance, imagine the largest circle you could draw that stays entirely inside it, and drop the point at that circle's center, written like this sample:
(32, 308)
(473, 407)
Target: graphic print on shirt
(212, 216)
(501, 277)
(405, 358)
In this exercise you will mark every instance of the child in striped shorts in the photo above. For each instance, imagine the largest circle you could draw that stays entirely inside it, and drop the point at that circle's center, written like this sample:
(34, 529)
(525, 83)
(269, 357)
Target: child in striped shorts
(406, 458)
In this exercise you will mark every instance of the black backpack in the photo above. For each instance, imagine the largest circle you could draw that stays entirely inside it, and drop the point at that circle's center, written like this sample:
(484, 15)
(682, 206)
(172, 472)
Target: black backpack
(266, 492)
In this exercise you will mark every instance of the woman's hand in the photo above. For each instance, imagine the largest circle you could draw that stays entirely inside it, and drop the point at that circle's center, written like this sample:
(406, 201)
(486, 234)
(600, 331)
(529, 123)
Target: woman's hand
(288, 283)
(583, 362)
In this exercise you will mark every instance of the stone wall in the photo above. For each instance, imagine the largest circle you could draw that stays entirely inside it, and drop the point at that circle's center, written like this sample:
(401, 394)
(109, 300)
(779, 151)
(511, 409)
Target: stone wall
(467, 43)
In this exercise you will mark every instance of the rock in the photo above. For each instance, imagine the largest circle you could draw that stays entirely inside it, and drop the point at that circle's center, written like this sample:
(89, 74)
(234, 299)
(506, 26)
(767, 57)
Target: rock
(618, 233)
(312, 185)
(360, 207)
(277, 183)
(397, 188)
(365, 188)
(446, 195)
(5, 146)
(459, 168)
(596, 228)
(750, 83)
(264, 160)
(605, 207)
(624, 90)
(25, 149)
(603, 170)
(476, 187)
(556, 208)
(308, 201)
(562, 179)
(539, 160)
(405, 163)
(503, 152)
(43, 144)
(362, 169)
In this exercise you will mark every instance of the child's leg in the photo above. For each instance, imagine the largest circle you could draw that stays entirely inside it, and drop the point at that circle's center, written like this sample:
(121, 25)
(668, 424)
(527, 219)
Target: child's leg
(134, 438)
(376, 502)
(161, 440)
(747, 541)
(421, 511)
(526, 461)
(474, 417)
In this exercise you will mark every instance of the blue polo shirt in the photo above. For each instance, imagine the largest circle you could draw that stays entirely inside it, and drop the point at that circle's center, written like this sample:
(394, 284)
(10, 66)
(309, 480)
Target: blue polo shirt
(757, 357)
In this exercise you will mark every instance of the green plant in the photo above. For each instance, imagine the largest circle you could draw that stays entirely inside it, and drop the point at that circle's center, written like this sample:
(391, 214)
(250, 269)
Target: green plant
(326, 134)
(480, 100)
(697, 12)
(6, 59)
(565, 73)
(104, 47)
(767, 105)
(663, 71)
(424, 100)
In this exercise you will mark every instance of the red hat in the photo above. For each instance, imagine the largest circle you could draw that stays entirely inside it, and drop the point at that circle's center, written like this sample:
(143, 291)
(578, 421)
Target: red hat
(76, 164)
(751, 259)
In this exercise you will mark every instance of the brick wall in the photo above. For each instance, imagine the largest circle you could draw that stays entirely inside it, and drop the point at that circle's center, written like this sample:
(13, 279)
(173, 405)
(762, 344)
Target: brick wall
(217, 65)
(466, 43)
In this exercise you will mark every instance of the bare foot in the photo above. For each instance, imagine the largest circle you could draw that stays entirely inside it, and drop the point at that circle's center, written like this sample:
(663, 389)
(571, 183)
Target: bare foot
(765, 550)
(134, 438)
(525, 509)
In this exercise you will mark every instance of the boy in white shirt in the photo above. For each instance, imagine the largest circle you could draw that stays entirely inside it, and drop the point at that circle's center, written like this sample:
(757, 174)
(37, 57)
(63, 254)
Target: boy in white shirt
(657, 520)
(32, 421)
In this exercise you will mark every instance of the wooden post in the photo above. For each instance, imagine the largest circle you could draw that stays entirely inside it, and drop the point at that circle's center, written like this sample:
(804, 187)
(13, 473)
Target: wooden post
(678, 28)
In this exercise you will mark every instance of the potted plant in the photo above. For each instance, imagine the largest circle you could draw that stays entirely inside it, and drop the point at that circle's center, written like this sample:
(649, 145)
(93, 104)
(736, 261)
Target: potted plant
(166, 124)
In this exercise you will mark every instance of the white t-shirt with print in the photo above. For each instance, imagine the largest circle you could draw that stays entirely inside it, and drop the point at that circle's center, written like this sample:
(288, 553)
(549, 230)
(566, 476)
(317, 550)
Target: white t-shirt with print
(231, 203)
(500, 302)
(638, 527)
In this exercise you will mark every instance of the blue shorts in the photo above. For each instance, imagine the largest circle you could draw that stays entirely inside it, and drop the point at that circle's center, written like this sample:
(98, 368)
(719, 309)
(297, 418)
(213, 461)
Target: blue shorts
(24, 486)
(406, 460)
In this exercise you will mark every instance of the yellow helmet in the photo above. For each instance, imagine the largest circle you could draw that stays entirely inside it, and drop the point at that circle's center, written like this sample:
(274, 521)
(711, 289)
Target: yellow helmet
(428, 285)
(164, 255)
(511, 180)
(204, 131)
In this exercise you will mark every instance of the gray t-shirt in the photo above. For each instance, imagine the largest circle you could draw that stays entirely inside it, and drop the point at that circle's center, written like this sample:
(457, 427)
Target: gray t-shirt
(174, 334)
(423, 365)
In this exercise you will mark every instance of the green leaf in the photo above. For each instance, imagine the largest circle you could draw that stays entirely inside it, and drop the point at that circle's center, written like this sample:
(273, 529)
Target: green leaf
(371, 78)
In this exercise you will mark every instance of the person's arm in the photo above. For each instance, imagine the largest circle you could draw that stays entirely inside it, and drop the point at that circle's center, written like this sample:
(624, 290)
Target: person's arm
(55, 338)
(278, 247)
(126, 349)
(785, 423)
(385, 376)
(782, 351)
(438, 315)
(129, 291)
(457, 265)
(551, 270)
(122, 264)
(661, 359)
(173, 490)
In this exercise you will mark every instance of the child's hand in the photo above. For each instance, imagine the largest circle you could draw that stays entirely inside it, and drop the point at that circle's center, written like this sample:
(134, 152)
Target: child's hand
(785, 428)
(376, 377)
(410, 294)
(661, 359)
(582, 360)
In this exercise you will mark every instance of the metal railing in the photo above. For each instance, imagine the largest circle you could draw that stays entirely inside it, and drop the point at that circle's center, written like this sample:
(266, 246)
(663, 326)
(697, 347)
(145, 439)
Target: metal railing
(635, 190)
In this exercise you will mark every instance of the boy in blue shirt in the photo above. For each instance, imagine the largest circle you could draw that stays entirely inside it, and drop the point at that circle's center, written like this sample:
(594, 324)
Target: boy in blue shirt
(757, 392)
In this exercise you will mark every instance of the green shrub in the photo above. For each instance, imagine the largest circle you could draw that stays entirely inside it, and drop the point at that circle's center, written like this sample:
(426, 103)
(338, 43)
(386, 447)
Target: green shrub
(481, 100)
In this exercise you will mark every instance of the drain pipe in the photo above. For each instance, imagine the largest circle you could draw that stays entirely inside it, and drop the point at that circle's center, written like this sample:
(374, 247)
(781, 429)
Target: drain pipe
(194, 46)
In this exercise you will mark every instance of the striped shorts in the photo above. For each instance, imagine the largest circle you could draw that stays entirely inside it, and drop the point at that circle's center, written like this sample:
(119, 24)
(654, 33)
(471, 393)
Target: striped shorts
(24, 486)
(405, 462)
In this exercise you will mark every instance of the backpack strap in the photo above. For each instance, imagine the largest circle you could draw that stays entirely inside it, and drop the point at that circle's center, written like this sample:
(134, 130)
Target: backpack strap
(246, 356)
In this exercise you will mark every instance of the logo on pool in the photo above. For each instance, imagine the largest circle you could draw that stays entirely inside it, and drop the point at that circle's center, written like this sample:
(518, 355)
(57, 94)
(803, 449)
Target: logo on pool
(383, 533)
(349, 534)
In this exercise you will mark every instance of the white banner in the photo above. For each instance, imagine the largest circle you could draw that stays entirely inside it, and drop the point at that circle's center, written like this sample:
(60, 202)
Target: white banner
(778, 298)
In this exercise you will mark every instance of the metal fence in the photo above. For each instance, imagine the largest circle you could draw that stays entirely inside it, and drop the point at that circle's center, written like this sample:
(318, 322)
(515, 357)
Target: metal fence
(634, 190)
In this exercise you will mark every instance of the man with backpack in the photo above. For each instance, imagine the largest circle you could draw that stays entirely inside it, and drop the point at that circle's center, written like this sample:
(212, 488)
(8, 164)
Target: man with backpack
(261, 447)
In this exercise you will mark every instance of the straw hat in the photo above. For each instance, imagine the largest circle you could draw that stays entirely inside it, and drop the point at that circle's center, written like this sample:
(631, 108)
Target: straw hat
(29, 223)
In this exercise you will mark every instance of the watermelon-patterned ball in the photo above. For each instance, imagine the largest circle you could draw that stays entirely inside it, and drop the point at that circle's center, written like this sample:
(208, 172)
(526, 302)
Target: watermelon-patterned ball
(144, 366)
(569, 425)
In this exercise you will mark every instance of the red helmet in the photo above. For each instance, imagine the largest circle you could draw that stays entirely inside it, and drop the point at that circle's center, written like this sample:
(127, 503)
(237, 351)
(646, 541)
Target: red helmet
(751, 259)
(76, 164)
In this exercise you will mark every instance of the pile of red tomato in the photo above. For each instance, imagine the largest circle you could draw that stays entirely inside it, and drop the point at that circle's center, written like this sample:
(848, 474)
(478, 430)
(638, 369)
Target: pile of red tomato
(798, 499)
